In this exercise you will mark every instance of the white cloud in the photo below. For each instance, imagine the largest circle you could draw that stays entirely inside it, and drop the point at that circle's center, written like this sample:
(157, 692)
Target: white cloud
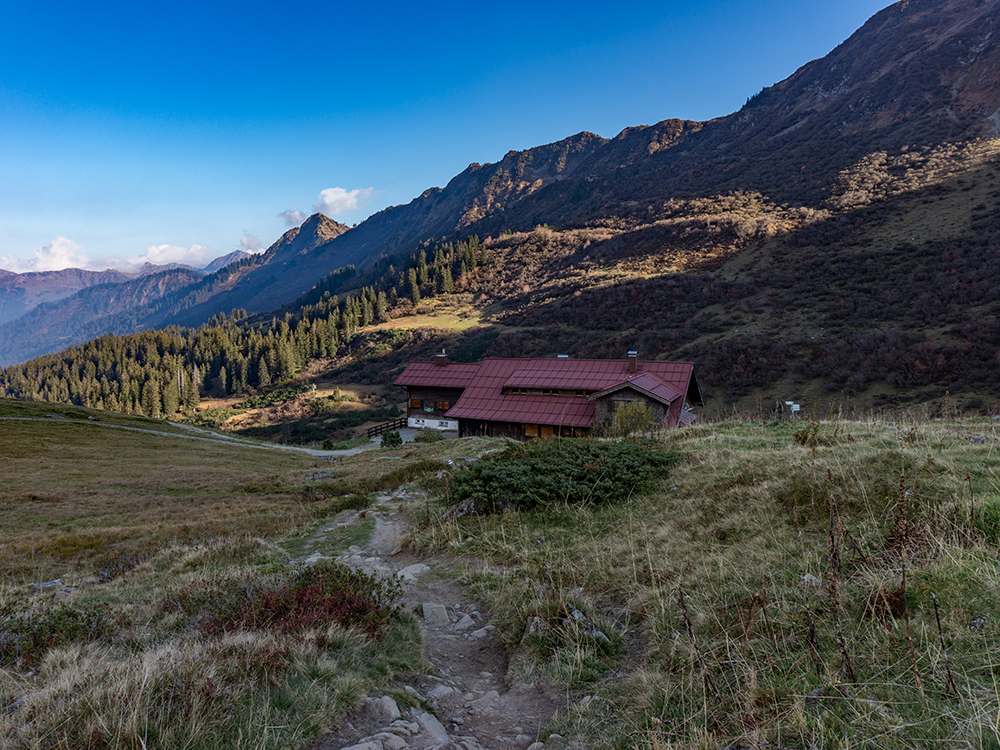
(61, 253)
(292, 218)
(251, 242)
(195, 255)
(335, 201)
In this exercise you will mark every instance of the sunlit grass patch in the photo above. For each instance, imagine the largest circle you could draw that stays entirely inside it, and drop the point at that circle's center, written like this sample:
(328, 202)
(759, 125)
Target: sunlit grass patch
(759, 590)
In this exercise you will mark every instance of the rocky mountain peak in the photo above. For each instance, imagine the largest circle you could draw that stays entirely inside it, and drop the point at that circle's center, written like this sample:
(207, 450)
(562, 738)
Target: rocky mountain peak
(320, 226)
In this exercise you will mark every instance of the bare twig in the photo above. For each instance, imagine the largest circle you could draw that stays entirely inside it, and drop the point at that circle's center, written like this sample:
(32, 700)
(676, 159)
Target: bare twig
(909, 636)
(847, 673)
(972, 505)
(763, 612)
(813, 643)
(705, 676)
(950, 683)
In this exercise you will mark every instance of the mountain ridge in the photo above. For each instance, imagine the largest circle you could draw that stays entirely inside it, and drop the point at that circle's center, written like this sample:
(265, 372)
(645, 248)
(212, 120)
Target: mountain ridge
(905, 93)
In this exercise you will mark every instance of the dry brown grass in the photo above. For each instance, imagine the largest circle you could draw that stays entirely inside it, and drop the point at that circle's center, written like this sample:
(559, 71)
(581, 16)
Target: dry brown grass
(73, 493)
(736, 526)
(189, 515)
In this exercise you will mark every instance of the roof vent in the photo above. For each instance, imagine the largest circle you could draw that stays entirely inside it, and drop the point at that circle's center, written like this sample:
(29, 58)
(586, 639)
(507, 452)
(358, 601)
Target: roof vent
(633, 359)
(441, 359)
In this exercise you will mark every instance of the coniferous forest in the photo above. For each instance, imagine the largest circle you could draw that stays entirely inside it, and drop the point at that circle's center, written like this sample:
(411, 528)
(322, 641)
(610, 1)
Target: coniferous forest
(159, 372)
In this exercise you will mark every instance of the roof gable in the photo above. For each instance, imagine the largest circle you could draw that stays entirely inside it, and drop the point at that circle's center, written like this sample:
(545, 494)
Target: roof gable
(649, 385)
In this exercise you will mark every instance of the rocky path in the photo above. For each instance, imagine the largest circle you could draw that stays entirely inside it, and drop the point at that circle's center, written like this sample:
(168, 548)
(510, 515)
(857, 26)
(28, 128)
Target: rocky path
(475, 706)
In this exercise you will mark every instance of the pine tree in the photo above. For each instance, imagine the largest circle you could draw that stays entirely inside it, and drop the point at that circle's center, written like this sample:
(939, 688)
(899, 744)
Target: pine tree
(263, 373)
(414, 287)
(151, 401)
(444, 284)
(191, 397)
(422, 268)
(171, 401)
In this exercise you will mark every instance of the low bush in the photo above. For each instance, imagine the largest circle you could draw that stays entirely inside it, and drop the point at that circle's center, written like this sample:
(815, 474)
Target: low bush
(277, 396)
(428, 436)
(26, 634)
(392, 439)
(562, 470)
(310, 598)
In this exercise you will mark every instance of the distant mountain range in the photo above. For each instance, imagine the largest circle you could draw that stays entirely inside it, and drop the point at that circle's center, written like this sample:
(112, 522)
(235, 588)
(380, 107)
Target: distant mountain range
(920, 76)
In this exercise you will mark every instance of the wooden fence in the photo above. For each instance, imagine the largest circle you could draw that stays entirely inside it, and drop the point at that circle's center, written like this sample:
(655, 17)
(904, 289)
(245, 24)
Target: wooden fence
(378, 429)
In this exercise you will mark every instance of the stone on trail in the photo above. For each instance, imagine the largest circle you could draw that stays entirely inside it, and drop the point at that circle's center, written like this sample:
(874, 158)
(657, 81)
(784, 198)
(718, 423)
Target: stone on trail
(464, 624)
(383, 710)
(411, 572)
(402, 726)
(390, 741)
(441, 691)
(436, 614)
(431, 726)
(478, 635)
(488, 704)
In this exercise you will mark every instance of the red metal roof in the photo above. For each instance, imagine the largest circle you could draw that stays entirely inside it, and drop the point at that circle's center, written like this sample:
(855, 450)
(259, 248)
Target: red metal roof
(433, 375)
(485, 400)
(648, 383)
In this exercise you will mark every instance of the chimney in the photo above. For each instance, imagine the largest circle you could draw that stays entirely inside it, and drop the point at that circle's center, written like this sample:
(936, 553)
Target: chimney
(633, 358)
(442, 359)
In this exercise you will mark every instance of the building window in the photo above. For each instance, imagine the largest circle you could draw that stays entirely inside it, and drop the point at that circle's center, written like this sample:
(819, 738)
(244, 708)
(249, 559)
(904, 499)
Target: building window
(531, 430)
(414, 403)
(443, 405)
(547, 431)
(549, 392)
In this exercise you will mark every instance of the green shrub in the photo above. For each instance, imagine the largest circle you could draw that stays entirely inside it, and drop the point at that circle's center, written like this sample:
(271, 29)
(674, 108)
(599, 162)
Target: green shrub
(26, 635)
(428, 436)
(562, 471)
(328, 445)
(392, 439)
(276, 396)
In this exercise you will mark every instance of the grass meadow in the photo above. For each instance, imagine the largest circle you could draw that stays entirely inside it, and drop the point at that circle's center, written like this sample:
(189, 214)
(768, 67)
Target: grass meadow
(756, 597)
(174, 618)
(771, 584)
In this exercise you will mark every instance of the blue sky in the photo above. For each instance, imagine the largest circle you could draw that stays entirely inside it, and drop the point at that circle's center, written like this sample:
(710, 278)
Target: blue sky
(184, 131)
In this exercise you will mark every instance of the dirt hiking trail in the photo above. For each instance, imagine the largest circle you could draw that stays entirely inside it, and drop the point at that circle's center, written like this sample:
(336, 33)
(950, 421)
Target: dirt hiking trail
(475, 706)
